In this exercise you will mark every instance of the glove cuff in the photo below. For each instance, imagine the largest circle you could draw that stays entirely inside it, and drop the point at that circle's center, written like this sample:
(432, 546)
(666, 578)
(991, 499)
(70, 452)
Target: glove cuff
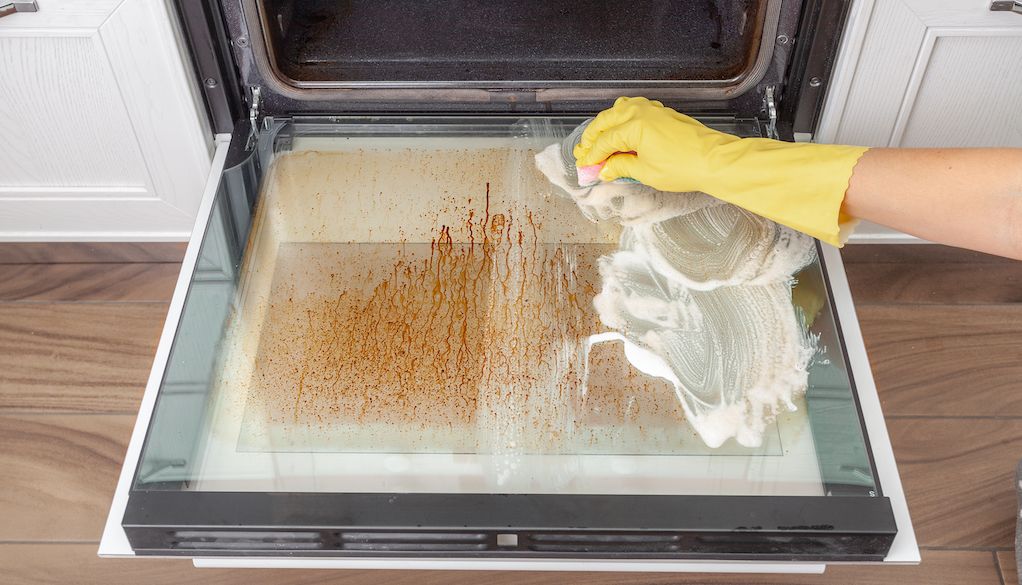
(799, 185)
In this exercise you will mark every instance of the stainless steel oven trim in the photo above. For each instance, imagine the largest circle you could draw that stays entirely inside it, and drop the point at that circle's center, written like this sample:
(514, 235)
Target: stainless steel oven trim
(227, 33)
(545, 91)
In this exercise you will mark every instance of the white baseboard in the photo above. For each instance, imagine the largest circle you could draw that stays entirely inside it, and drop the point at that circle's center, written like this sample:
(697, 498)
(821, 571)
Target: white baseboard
(97, 236)
(871, 233)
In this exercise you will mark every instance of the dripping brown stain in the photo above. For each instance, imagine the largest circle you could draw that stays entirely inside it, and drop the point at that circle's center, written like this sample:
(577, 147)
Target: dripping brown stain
(437, 336)
(424, 337)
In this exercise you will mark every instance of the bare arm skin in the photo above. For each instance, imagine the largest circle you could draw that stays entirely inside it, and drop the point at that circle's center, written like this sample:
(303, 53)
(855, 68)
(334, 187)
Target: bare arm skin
(968, 197)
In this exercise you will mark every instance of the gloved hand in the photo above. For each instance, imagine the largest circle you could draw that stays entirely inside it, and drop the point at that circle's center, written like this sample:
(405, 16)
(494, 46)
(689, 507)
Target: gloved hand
(798, 185)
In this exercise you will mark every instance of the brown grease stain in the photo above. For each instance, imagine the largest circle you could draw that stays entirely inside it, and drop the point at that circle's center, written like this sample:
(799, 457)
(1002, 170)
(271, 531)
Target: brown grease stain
(483, 327)
(421, 339)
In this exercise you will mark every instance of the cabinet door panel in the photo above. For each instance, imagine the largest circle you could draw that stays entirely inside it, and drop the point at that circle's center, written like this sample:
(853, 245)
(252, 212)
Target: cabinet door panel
(926, 73)
(65, 129)
(969, 93)
(869, 109)
(103, 134)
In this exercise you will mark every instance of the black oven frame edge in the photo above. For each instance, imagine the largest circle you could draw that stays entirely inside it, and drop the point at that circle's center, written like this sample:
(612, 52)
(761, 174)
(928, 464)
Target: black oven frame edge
(821, 29)
(205, 33)
(816, 42)
(708, 527)
(842, 489)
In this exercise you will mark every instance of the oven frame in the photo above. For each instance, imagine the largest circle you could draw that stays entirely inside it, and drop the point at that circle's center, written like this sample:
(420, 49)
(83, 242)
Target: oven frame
(224, 69)
(864, 526)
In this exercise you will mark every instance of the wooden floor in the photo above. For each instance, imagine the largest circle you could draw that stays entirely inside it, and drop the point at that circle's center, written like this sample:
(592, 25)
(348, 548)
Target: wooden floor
(79, 325)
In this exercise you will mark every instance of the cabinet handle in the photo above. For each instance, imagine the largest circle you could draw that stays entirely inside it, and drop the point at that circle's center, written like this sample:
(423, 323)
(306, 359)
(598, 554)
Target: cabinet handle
(12, 6)
(1006, 6)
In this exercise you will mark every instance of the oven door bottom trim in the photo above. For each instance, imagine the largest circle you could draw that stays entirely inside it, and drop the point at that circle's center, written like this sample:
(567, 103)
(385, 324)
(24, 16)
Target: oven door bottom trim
(489, 564)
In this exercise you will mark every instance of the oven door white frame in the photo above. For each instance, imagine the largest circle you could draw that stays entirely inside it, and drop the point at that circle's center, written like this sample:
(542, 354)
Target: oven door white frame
(905, 549)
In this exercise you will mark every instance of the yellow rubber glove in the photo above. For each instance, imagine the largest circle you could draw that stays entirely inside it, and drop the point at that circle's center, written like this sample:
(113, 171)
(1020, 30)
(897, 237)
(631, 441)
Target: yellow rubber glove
(798, 185)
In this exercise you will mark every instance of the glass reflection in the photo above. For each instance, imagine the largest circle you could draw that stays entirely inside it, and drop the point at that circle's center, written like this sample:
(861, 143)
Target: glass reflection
(412, 312)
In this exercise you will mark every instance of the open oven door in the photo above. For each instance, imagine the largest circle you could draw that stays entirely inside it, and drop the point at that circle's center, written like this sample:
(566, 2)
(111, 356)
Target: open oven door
(231, 465)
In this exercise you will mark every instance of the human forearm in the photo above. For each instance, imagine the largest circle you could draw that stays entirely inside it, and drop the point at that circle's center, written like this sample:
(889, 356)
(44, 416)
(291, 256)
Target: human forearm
(963, 197)
(970, 198)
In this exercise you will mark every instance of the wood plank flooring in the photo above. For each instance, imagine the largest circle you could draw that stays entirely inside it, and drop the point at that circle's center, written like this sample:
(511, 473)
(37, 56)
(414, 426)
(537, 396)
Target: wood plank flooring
(60, 472)
(1009, 570)
(91, 252)
(87, 281)
(79, 324)
(947, 360)
(76, 357)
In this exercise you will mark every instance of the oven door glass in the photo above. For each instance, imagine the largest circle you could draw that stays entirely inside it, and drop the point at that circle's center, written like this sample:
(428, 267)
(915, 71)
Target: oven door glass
(404, 308)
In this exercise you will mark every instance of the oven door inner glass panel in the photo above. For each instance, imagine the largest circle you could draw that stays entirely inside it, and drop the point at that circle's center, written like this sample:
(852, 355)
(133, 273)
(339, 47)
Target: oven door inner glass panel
(404, 307)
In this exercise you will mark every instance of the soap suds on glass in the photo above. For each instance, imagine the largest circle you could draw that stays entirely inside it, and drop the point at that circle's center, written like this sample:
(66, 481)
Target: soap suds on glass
(700, 291)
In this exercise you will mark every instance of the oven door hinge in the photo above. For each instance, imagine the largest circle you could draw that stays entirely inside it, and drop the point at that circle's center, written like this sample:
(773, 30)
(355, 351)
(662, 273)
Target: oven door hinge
(254, 93)
(770, 105)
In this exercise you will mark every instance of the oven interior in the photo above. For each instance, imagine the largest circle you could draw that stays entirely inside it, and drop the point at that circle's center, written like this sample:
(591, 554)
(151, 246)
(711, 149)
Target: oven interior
(322, 42)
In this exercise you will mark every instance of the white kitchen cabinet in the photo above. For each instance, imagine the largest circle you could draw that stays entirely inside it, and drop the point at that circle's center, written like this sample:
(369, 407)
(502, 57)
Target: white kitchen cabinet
(103, 133)
(925, 73)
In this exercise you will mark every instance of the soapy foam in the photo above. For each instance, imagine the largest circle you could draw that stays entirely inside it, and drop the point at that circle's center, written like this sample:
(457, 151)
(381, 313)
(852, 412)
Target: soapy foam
(700, 293)
(723, 245)
(731, 373)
